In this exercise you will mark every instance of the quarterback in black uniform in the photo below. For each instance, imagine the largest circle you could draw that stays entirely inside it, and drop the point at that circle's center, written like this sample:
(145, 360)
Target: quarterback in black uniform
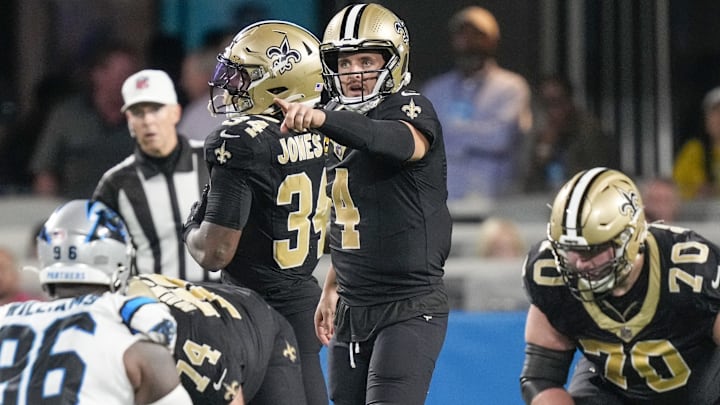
(384, 307)
(640, 302)
(231, 345)
(263, 219)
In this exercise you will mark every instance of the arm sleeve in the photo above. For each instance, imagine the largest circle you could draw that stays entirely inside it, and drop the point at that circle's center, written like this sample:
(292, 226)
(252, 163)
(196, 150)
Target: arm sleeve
(543, 368)
(388, 138)
(230, 199)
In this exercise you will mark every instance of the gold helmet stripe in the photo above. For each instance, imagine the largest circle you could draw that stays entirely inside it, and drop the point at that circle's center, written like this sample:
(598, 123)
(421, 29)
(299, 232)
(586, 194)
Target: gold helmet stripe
(573, 212)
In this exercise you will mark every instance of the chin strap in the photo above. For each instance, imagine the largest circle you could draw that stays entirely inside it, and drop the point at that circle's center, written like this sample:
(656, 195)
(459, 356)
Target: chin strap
(365, 106)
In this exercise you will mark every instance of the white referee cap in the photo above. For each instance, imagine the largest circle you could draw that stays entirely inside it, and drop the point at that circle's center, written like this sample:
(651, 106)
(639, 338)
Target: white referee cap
(148, 86)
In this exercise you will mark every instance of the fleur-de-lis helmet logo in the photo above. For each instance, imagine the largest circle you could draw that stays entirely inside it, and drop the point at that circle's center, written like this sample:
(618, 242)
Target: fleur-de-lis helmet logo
(283, 56)
(631, 205)
(401, 29)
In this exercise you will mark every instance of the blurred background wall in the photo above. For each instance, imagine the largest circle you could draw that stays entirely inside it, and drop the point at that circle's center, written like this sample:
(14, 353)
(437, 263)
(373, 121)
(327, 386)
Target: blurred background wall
(642, 66)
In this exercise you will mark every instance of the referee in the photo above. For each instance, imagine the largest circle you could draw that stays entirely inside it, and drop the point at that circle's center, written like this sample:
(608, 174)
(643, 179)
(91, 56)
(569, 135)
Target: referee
(153, 188)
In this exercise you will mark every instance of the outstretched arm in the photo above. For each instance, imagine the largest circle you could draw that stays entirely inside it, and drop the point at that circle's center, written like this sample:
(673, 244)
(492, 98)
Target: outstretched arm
(398, 140)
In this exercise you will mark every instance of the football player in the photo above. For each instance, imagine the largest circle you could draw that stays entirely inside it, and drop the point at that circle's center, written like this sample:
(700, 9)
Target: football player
(390, 228)
(264, 217)
(639, 302)
(91, 344)
(232, 347)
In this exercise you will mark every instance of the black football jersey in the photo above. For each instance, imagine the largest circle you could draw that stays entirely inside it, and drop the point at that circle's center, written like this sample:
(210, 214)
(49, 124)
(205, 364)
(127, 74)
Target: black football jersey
(283, 232)
(223, 336)
(390, 228)
(647, 347)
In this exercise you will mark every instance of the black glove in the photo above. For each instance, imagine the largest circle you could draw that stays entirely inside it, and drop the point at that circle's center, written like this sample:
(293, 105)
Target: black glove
(197, 213)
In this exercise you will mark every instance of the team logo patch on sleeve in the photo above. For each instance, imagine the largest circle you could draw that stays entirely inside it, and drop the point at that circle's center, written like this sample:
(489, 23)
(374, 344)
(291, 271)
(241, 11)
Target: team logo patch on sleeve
(222, 154)
(412, 110)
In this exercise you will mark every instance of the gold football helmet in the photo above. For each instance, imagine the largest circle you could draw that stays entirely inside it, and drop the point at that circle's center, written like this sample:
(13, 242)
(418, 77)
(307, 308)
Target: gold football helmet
(598, 210)
(366, 27)
(265, 60)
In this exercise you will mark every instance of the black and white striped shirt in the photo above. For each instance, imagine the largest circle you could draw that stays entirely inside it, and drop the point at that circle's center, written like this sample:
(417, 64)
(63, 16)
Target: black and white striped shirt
(154, 197)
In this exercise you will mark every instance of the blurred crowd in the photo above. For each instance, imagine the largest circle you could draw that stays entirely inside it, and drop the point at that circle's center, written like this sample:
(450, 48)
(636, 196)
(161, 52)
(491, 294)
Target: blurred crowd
(506, 137)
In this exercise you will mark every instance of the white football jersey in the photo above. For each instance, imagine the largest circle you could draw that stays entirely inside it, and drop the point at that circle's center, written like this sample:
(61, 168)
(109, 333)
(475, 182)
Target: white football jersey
(71, 350)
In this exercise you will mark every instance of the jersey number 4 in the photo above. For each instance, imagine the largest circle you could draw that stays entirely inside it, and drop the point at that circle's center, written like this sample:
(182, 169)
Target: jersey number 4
(347, 214)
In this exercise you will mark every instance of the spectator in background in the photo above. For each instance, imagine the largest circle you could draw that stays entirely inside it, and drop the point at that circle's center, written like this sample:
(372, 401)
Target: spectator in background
(86, 134)
(567, 138)
(484, 110)
(662, 199)
(154, 187)
(197, 68)
(697, 164)
(500, 238)
(17, 148)
(11, 286)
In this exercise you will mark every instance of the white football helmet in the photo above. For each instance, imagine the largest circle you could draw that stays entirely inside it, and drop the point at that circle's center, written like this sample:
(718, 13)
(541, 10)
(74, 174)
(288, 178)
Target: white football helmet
(85, 242)
(363, 28)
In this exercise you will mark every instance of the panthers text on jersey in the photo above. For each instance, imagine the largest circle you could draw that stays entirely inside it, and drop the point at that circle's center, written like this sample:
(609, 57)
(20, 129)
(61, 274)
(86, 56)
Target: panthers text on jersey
(227, 336)
(648, 342)
(284, 221)
(71, 350)
(391, 227)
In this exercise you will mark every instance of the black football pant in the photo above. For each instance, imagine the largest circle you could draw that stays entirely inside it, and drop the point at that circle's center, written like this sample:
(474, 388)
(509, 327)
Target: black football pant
(394, 367)
(303, 324)
(282, 383)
